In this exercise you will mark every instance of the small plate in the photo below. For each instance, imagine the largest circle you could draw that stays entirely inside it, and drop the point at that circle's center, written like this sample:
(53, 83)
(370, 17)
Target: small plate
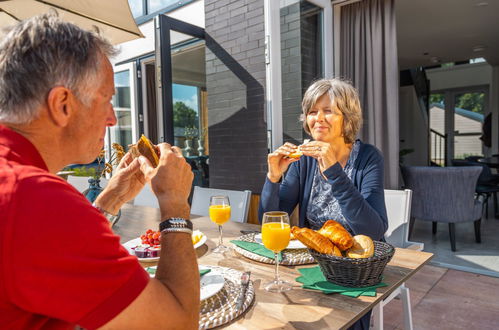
(137, 241)
(211, 283)
(293, 244)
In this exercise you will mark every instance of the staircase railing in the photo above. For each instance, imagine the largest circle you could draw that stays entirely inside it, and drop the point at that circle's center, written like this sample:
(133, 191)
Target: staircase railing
(438, 148)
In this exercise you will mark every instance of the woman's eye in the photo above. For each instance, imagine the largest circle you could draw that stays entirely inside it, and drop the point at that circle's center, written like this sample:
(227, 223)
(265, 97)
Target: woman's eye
(313, 113)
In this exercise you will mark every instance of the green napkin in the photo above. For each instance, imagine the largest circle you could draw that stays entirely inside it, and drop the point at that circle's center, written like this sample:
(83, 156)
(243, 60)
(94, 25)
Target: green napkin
(256, 248)
(312, 278)
(204, 271)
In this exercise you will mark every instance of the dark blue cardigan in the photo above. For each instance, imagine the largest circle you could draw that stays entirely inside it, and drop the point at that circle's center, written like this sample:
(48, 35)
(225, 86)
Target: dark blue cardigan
(362, 201)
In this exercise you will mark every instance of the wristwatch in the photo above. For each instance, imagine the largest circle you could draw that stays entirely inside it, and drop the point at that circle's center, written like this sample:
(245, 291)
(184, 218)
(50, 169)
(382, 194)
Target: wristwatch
(176, 225)
(111, 217)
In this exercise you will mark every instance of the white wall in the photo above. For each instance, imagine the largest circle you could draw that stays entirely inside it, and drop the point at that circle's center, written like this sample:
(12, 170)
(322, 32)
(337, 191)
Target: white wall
(413, 128)
(459, 76)
(192, 13)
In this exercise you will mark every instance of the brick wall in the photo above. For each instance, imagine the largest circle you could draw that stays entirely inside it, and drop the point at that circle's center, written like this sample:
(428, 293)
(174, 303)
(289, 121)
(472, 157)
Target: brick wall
(235, 82)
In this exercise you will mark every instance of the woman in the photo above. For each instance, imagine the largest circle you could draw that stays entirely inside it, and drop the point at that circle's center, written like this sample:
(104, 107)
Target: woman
(337, 177)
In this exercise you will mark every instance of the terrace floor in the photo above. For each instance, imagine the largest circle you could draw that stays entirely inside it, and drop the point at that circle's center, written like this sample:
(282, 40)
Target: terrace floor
(457, 290)
(444, 298)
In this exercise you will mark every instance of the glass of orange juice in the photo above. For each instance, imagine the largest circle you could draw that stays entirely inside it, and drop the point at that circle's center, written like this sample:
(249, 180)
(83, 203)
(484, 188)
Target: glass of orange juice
(220, 214)
(275, 236)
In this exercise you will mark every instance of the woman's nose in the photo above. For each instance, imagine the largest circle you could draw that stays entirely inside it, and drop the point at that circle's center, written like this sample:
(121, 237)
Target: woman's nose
(320, 116)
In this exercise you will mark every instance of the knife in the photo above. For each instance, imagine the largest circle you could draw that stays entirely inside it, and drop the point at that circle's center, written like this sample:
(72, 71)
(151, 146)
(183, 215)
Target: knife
(245, 279)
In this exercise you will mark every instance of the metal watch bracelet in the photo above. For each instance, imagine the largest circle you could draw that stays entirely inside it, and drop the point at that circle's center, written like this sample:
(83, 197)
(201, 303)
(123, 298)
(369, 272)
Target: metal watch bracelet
(177, 230)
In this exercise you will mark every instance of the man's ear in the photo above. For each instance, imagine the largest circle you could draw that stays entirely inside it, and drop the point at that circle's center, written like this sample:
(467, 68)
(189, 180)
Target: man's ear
(60, 105)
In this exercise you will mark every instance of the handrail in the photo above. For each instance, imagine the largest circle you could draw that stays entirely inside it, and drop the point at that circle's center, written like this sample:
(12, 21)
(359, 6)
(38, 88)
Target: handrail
(438, 152)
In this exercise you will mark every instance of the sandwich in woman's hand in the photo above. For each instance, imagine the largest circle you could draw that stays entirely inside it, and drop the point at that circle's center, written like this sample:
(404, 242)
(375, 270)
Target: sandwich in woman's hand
(147, 149)
(297, 153)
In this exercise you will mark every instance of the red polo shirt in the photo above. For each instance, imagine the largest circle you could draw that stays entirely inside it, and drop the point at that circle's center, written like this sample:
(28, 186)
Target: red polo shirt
(60, 263)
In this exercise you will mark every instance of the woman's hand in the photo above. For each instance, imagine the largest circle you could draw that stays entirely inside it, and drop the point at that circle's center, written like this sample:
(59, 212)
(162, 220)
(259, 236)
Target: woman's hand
(278, 161)
(322, 151)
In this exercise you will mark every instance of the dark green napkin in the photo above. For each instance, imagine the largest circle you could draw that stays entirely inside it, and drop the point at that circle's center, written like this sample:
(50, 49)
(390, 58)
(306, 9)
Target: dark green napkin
(312, 278)
(256, 248)
(152, 271)
(204, 271)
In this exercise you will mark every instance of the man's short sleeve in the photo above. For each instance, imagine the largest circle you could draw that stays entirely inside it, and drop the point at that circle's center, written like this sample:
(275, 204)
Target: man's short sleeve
(65, 262)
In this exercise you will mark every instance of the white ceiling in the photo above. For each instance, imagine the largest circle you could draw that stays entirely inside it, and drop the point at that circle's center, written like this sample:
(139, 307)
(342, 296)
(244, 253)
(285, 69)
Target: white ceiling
(447, 30)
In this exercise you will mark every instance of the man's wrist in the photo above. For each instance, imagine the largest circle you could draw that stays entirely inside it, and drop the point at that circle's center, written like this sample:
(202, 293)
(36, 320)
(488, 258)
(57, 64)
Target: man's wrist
(105, 202)
(176, 225)
(174, 209)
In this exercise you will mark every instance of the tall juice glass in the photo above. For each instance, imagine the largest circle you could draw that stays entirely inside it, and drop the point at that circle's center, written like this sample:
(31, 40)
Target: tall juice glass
(275, 236)
(220, 214)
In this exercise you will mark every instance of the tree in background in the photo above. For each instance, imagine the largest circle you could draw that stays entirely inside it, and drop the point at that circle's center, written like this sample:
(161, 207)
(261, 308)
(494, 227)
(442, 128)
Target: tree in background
(184, 116)
(468, 101)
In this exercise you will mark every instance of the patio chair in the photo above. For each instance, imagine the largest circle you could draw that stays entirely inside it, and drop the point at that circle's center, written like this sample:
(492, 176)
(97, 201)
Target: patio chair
(445, 194)
(487, 184)
(239, 202)
(146, 197)
(398, 209)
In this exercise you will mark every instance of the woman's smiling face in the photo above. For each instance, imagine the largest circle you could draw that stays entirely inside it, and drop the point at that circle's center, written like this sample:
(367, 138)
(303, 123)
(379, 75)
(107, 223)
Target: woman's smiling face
(325, 120)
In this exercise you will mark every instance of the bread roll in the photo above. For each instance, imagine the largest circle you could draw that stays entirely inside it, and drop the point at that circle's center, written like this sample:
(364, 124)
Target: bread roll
(363, 247)
(337, 234)
(145, 148)
(315, 241)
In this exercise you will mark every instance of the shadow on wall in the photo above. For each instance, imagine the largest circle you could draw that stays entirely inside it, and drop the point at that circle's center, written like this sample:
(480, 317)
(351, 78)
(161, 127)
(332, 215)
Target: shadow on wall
(238, 144)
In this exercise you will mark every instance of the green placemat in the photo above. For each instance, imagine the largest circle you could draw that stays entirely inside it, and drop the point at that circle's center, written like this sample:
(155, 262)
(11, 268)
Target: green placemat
(256, 248)
(313, 278)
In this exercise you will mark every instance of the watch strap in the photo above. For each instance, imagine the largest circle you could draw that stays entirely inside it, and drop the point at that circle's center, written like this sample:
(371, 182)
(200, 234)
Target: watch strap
(176, 225)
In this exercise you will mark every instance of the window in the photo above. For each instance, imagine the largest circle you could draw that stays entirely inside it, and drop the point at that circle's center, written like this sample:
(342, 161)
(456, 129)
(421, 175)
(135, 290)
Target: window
(122, 132)
(141, 8)
(137, 7)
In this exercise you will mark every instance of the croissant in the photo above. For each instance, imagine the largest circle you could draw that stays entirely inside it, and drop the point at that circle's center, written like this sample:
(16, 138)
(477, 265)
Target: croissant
(363, 247)
(337, 234)
(315, 241)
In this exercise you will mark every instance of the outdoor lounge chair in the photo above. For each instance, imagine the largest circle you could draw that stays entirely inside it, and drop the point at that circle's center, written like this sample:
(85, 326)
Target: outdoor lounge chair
(445, 194)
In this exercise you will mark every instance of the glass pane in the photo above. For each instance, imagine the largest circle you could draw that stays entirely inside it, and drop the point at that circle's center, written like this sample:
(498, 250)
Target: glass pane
(122, 132)
(155, 5)
(468, 120)
(301, 60)
(185, 116)
(437, 129)
(137, 7)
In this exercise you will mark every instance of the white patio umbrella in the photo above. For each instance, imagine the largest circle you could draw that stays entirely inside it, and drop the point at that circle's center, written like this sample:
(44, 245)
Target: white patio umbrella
(113, 18)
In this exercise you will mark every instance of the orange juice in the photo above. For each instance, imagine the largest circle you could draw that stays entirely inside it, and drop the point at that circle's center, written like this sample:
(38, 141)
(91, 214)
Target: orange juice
(275, 235)
(219, 214)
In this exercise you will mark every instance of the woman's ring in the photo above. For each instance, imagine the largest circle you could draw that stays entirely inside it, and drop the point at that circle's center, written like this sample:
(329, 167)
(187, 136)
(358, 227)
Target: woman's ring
(318, 148)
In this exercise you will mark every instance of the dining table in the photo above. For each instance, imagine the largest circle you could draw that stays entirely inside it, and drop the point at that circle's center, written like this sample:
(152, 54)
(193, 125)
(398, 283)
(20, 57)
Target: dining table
(295, 309)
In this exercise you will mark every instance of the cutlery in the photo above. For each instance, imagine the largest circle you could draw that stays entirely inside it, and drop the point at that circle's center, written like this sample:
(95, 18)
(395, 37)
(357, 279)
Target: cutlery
(245, 279)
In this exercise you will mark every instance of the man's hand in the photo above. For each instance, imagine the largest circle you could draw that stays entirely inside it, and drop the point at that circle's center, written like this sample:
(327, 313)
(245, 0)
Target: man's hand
(126, 183)
(171, 181)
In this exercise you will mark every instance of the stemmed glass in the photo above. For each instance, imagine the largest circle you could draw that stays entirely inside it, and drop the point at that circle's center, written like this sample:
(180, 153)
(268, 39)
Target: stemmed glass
(220, 214)
(275, 236)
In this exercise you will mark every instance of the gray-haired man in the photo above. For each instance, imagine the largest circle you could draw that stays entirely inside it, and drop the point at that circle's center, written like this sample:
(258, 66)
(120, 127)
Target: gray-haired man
(60, 263)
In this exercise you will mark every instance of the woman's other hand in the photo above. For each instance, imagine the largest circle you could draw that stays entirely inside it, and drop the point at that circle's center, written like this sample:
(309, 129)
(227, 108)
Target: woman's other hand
(322, 151)
(278, 161)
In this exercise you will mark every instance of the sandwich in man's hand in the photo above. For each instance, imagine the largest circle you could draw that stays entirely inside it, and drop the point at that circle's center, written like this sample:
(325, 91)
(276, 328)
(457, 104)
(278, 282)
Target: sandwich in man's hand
(147, 149)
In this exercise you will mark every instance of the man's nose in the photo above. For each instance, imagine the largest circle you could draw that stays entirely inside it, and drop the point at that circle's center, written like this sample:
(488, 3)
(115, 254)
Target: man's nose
(112, 120)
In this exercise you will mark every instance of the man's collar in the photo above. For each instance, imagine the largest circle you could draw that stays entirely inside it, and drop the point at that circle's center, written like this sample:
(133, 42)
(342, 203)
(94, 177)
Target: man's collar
(19, 148)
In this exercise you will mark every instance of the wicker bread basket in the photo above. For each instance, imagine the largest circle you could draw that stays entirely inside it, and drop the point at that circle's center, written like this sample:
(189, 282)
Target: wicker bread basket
(355, 272)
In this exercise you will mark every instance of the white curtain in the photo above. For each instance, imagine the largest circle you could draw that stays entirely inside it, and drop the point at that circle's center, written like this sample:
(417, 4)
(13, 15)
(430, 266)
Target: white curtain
(368, 58)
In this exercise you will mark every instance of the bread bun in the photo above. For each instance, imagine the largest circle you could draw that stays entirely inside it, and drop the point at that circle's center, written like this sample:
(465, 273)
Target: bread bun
(337, 234)
(315, 241)
(295, 154)
(145, 148)
(363, 247)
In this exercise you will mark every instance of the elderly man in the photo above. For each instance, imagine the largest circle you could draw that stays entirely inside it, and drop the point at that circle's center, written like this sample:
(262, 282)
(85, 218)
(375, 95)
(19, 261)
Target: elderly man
(60, 263)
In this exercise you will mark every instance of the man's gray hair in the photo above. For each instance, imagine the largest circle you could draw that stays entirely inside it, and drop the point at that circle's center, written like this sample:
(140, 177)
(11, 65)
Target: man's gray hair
(344, 96)
(41, 53)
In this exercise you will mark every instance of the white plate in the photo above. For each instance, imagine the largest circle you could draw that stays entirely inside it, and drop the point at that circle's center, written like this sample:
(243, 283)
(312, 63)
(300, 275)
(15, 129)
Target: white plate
(293, 244)
(211, 282)
(137, 241)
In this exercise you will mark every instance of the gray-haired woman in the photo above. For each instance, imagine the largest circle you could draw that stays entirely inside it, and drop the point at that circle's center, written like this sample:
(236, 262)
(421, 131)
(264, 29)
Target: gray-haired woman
(338, 177)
